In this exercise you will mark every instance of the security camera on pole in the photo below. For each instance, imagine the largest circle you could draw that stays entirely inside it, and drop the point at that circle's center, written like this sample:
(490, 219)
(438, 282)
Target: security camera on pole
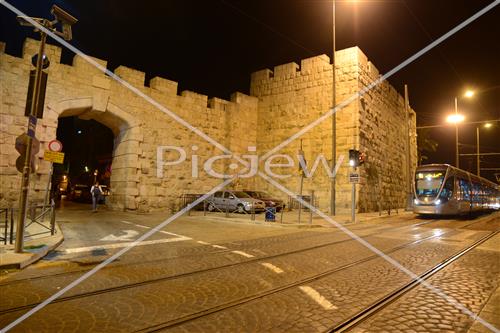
(35, 101)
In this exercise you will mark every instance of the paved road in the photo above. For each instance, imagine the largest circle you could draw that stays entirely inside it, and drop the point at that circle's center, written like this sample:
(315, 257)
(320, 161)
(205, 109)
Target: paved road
(207, 276)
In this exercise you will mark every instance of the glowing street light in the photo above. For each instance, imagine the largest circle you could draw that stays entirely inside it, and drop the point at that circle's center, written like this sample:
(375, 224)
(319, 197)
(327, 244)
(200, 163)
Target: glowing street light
(455, 118)
(469, 93)
(488, 125)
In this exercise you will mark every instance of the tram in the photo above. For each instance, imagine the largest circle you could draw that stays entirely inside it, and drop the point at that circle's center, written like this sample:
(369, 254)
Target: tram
(441, 189)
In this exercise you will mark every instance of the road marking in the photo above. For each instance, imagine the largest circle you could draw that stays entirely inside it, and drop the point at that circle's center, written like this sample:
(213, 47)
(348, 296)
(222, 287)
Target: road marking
(275, 269)
(203, 243)
(244, 254)
(311, 292)
(219, 247)
(129, 235)
(124, 244)
(146, 227)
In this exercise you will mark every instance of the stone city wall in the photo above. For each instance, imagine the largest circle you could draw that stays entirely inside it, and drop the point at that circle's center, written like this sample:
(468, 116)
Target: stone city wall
(282, 101)
(139, 127)
(292, 96)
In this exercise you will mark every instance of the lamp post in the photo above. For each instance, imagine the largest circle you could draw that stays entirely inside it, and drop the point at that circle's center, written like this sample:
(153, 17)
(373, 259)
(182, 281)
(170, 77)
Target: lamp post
(468, 94)
(66, 20)
(478, 161)
(334, 117)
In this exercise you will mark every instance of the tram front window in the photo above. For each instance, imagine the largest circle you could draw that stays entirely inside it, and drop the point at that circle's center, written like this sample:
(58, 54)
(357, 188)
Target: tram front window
(428, 183)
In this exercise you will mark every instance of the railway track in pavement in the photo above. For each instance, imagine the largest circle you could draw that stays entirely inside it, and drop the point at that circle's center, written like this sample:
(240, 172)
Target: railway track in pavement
(380, 304)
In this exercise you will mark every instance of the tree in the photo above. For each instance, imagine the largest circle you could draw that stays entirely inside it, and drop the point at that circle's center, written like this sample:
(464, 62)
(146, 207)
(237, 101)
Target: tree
(425, 144)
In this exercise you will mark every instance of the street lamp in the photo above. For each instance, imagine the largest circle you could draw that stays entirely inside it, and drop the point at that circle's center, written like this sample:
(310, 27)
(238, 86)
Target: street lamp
(334, 117)
(455, 118)
(66, 21)
(478, 161)
(468, 94)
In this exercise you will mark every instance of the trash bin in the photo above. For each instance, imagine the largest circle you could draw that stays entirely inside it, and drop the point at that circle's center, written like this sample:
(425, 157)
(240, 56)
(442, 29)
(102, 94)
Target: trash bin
(270, 214)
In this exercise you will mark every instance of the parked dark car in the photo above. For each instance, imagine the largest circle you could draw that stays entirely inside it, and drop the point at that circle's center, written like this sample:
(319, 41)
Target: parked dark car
(80, 193)
(269, 200)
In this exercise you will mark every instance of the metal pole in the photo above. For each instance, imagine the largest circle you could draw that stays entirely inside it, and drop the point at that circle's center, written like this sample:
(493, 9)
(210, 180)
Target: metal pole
(300, 194)
(353, 204)
(25, 178)
(477, 158)
(312, 206)
(47, 189)
(334, 117)
(408, 152)
(457, 161)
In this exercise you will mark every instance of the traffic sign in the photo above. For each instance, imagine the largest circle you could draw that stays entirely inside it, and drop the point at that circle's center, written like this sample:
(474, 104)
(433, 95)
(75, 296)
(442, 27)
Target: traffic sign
(53, 156)
(55, 145)
(32, 126)
(22, 143)
(353, 178)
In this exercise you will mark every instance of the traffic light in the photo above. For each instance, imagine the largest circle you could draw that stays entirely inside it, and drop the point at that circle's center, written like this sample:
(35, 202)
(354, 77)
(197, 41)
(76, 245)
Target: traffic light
(353, 158)
(356, 158)
(362, 158)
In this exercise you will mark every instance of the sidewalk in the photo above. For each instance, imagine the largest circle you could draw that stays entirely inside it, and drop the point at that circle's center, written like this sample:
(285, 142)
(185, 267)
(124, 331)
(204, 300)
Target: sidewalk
(291, 218)
(37, 244)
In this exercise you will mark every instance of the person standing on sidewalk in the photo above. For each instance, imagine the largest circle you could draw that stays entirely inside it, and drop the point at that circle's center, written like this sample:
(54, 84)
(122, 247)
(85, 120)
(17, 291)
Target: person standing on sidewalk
(96, 192)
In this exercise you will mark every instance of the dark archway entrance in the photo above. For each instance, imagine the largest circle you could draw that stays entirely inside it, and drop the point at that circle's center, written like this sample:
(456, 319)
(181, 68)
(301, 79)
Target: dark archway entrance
(88, 156)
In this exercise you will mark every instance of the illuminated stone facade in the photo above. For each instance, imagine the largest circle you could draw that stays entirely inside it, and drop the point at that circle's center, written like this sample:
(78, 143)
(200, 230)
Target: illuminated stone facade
(281, 102)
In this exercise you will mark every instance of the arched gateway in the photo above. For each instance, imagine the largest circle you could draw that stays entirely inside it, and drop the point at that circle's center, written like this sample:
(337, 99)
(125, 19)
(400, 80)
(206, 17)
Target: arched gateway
(127, 136)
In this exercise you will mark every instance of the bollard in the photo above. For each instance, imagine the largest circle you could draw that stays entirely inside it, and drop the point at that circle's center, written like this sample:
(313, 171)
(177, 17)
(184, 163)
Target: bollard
(311, 201)
(252, 217)
(52, 217)
(270, 214)
(204, 208)
(281, 215)
(11, 226)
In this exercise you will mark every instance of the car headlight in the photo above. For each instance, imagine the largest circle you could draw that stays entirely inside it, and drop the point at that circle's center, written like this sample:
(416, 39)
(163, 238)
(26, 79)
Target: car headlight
(415, 201)
(246, 203)
(437, 202)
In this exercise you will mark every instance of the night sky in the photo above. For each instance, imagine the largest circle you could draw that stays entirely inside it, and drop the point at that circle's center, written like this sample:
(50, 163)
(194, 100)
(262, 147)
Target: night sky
(211, 47)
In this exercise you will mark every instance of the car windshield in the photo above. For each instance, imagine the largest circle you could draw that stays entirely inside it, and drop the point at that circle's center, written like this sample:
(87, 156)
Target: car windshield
(240, 194)
(428, 183)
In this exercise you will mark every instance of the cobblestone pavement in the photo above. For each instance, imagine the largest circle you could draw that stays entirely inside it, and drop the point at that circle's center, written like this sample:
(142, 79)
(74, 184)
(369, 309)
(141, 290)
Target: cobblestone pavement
(224, 264)
(470, 280)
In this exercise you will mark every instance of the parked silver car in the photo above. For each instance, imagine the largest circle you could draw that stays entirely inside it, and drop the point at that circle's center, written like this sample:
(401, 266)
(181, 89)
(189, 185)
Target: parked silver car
(231, 201)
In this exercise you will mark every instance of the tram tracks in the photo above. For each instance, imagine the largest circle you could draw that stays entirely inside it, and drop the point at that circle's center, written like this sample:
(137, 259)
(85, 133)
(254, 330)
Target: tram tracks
(380, 304)
(222, 307)
(219, 252)
(250, 261)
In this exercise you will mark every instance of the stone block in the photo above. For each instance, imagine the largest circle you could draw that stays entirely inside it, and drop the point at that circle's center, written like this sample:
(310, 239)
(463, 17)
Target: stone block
(164, 85)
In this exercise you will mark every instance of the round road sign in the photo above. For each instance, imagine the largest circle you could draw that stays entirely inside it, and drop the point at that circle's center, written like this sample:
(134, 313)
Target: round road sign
(55, 145)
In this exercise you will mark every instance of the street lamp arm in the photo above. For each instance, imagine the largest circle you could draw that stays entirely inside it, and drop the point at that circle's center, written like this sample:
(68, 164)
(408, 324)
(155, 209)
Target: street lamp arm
(466, 123)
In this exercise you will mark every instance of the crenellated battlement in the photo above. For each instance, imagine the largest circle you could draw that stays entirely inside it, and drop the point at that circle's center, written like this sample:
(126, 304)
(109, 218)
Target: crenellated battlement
(321, 63)
(137, 78)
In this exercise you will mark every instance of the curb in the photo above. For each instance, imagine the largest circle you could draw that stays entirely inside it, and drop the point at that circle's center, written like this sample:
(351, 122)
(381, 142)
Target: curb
(21, 260)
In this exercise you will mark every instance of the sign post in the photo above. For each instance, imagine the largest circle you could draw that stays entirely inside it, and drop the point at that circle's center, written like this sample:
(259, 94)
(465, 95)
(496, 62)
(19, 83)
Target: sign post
(55, 146)
(25, 178)
(353, 179)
